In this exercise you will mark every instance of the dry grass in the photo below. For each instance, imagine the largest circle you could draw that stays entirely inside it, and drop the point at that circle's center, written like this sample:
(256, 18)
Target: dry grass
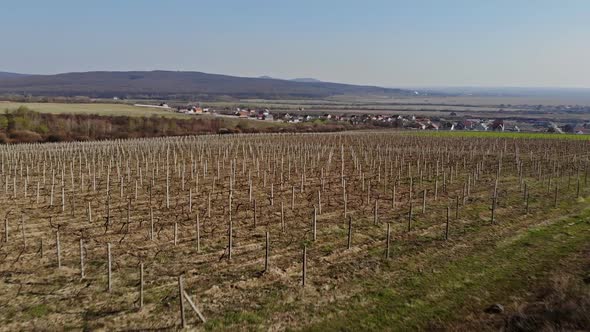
(563, 305)
(235, 294)
(92, 109)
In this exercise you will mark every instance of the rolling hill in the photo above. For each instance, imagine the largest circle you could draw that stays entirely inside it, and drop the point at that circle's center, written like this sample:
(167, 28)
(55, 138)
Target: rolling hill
(4, 75)
(306, 80)
(174, 84)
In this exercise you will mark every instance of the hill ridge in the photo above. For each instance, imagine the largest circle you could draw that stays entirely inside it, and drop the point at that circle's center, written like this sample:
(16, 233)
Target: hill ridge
(166, 83)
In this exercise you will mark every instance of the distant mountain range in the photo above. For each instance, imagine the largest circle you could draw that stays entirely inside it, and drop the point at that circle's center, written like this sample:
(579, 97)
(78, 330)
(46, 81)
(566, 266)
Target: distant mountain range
(303, 80)
(176, 84)
(4, 74)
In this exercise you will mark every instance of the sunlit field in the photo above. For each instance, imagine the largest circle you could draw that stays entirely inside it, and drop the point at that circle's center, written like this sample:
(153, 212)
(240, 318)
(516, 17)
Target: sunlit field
(352, 231)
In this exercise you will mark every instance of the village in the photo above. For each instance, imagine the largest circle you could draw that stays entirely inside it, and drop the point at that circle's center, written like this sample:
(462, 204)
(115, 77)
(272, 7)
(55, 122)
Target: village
(450, 121)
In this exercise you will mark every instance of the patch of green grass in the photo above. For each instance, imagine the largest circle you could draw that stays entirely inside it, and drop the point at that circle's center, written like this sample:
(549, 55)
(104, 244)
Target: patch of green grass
(427, 300)
(234, 318)
(38, 310)
(497, 134)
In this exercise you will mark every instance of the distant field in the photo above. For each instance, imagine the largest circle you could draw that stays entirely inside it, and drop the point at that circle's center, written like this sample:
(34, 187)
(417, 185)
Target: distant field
(98, 109)
(471, 100)
(350, 103)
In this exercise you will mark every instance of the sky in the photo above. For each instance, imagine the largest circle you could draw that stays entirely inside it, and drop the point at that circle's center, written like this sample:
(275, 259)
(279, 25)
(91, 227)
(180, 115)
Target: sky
(536, 43)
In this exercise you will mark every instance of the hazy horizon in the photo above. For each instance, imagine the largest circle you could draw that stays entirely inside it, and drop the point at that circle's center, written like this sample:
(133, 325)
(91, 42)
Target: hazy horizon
(539, 44)
(407, 87)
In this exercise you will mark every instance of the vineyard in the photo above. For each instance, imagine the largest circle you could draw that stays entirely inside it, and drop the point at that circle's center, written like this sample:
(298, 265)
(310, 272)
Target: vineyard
(267, 231)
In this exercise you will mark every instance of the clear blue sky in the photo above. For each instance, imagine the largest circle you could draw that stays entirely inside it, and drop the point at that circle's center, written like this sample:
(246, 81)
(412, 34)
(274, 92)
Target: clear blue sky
(389, 43)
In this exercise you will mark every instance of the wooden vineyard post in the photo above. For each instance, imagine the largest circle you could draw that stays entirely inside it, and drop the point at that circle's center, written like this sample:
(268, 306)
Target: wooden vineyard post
(141, 285)
(267, 252)
(304, 266)
(345, 205)
(230, 236)
(369, 192)
(436, 188)
(22, 229)
(314, 223)
(493, 220)
(388, 241)
(447, 224)
(349, 232)
(282, 217)
(167, 189)
(375, 214)
(555, 197)
(181, 299)
(343, 181)
(58, 248)
(6, 229)
(464, 193)
(410, 218)
(272, 195)
(198, 234)
(108, 211)
(255, 213)
(209, 205)
(424, 202)
(194, 307)
(109, 267)
(151, 186)
(151, 223)
(457, 208)
(527, 203)
(302, 182)
(81, 258)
